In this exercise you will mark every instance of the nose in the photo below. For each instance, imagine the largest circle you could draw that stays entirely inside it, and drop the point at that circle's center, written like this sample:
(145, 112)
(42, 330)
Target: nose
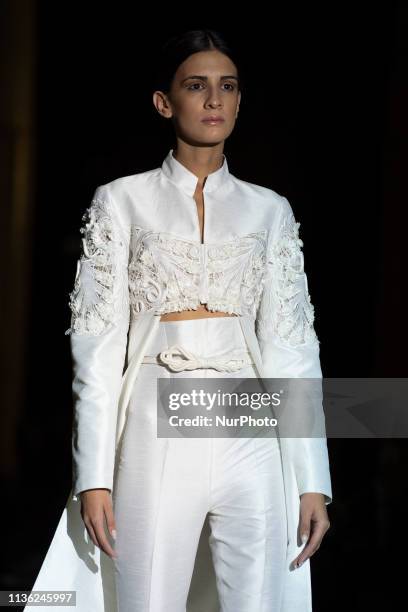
(214, 98)
(215, 103)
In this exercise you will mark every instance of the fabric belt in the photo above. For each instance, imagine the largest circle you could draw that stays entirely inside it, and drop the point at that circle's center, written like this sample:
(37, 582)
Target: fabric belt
(178, 359)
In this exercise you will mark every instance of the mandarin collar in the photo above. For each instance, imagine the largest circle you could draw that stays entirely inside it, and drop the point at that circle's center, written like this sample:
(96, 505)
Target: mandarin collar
(181, 176)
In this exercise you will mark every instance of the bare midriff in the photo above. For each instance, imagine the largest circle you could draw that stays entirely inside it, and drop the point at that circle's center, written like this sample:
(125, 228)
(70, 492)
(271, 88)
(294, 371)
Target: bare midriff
(202, 312)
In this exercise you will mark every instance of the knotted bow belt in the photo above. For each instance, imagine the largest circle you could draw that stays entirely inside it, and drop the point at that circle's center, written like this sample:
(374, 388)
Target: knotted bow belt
(178, 359)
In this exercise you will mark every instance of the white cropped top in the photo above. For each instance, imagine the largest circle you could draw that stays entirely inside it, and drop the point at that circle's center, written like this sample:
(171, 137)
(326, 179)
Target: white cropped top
(169, 273)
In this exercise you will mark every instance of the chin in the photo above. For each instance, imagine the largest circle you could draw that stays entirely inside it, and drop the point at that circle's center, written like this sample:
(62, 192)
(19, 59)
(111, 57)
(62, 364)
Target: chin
(214, 134)
(199, 140)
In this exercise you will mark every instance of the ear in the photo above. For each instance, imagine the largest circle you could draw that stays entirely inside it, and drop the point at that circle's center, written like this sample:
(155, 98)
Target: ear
(162, 104)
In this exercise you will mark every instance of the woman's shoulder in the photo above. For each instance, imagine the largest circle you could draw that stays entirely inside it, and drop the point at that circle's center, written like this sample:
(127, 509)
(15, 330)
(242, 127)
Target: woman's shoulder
(127, 185)
(266, 197)
(263, 191)
(123, 192)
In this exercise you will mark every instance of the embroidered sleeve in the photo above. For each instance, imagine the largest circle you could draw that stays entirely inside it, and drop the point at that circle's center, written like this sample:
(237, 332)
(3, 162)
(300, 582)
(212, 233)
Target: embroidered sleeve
(290, 351)
(96, 300)
(286, 311)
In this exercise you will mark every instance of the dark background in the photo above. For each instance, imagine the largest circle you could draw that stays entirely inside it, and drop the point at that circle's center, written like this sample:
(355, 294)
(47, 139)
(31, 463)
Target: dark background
(323, 121)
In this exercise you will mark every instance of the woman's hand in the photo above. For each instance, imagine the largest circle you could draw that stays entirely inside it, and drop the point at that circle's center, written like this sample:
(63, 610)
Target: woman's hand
(313, 524)
(96, 504)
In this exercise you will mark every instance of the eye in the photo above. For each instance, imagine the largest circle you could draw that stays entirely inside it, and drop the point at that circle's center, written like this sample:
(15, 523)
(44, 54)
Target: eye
(194, 88)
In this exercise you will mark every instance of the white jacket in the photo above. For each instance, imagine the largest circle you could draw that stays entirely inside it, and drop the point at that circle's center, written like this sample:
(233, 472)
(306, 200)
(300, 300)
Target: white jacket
(141, 257)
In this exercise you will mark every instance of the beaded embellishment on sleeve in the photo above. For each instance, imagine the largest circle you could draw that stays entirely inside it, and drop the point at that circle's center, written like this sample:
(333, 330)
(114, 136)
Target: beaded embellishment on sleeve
(97, 297)
(286, 310)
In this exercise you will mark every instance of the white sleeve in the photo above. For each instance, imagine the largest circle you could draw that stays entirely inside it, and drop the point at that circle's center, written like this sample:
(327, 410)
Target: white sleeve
(99, 306)
(290, 349)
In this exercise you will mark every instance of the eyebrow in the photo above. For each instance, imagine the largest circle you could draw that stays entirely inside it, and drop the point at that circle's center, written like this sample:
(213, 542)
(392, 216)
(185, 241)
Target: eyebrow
(205, 78)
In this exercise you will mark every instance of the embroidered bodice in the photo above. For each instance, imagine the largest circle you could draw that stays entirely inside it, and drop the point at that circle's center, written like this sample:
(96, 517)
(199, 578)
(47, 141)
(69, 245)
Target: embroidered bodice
(169, 273)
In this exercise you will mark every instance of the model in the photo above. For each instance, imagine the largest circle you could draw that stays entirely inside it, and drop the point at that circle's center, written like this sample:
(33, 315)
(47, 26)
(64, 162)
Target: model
(188, 271)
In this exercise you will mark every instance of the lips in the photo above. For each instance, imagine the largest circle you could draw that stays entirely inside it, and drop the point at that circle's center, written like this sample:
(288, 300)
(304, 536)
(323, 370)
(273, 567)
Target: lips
(213, 119)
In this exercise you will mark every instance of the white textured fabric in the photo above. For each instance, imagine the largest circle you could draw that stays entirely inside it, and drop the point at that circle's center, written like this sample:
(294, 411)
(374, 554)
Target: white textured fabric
(118, 295)
(166, 486)
(169, 273)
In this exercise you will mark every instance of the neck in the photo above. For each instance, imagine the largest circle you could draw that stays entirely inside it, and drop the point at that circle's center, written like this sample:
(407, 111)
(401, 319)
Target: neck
(201, 161)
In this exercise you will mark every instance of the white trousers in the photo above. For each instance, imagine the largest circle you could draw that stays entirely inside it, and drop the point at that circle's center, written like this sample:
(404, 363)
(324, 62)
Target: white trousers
(165, 487)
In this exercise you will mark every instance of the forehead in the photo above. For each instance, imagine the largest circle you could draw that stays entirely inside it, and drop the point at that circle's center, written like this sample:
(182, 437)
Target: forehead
(207, 63)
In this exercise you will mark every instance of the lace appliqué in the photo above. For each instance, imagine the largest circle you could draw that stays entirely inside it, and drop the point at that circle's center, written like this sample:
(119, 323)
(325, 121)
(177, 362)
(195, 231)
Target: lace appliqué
(97, 282)
(286, 309)
(171, 274)
(235, 271)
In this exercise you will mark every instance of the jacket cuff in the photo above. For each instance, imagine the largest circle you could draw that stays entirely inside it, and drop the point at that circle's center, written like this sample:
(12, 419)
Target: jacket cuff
(312, 467)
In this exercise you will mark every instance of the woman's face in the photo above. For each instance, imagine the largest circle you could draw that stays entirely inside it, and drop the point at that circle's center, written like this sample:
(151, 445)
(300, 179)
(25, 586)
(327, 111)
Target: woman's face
(205, 84)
